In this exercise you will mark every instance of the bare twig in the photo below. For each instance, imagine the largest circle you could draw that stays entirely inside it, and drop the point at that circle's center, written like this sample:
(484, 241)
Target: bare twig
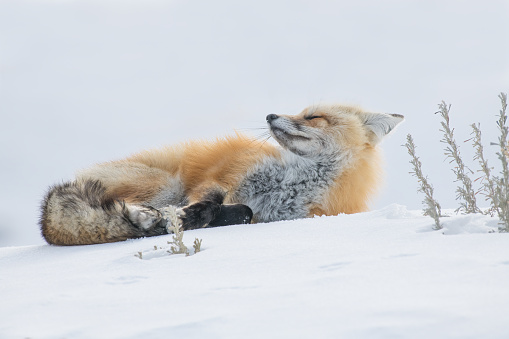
(197, 245)
(465, 193)
(488, 182)
(502, 189)
(431, 206)
(177, 244)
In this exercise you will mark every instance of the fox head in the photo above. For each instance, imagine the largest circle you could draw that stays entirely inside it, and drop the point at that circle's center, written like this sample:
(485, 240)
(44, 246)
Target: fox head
(324, 130)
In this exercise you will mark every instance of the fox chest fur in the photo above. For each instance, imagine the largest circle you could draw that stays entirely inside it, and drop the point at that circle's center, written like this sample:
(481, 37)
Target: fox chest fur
(282, 190)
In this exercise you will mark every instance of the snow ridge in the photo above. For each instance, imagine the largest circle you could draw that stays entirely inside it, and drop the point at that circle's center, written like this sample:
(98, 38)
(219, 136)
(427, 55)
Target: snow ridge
(380, 274)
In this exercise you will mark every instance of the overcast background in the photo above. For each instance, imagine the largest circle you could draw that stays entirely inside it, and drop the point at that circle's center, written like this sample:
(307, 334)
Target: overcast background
(88, 81)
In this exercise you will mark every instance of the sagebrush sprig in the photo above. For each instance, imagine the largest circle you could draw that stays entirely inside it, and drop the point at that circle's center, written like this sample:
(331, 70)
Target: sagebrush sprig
(431, 206)
(502, 182)
(465, 194)
(197, 245)
(174, 225)
(488, 182)
(494, 188)
(177, 244)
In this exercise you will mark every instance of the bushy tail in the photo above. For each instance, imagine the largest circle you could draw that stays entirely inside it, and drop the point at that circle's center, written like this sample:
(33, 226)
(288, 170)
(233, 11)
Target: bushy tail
(81, 213)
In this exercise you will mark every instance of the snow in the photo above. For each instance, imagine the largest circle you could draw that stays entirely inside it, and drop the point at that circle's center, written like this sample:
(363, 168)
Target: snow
(380, 274)
(77, 77)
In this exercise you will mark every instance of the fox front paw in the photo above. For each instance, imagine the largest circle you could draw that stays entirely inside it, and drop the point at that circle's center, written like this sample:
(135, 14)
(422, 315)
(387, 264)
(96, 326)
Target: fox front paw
(199, 215)
(232, 215)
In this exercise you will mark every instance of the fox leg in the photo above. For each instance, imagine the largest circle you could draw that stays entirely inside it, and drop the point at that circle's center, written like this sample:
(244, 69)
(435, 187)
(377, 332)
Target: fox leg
(202, 212)
(210, 212)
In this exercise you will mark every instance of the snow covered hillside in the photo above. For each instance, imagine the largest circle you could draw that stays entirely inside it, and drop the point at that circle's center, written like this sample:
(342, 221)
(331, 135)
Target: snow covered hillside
(381, 274)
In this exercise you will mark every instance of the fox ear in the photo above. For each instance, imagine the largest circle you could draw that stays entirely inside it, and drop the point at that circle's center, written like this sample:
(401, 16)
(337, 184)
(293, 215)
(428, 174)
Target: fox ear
(381, 124)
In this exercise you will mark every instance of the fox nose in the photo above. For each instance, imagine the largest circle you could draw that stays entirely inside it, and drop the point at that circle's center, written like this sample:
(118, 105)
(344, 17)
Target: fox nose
(271, 117)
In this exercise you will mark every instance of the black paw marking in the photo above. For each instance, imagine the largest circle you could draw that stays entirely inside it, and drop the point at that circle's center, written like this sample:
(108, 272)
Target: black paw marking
(200, 214)
(232, 215)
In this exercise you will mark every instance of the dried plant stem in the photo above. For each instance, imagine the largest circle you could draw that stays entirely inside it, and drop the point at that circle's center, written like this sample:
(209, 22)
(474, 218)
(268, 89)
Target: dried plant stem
(488, 182)
(174, 226)
(177, 244)
(197, 245)
(431, 206)
(494, 188)
(502, 190)
(465, 193)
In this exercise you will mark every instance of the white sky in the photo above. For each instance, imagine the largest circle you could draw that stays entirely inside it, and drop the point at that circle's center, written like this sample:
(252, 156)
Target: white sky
(89, 81)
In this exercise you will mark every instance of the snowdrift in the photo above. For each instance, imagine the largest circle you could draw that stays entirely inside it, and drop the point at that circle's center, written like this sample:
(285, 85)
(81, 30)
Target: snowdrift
(381, 274)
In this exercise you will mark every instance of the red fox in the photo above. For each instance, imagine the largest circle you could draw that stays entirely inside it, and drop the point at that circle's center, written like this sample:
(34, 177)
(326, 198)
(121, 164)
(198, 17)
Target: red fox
(326, 163)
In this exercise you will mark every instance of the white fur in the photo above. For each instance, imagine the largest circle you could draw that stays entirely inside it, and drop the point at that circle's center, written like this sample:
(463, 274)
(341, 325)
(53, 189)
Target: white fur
(381, 124)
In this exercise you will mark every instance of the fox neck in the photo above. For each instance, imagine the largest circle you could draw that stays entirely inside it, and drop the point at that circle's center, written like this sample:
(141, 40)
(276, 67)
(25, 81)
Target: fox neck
(284, 187)
(334, 162)
(354, 187)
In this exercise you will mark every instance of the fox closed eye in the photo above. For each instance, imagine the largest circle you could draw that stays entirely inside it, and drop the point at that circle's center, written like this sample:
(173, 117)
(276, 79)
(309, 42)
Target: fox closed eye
(313, 117)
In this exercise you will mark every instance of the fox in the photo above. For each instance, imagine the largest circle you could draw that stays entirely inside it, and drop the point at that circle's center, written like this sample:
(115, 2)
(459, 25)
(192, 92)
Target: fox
(325, 161)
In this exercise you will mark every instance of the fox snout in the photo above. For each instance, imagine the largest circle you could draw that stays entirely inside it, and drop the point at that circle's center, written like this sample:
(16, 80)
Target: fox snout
(271, 117)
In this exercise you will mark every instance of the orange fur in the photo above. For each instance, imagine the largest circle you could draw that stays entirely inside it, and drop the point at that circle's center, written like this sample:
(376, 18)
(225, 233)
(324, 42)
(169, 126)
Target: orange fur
(203, 164)
(353, 190)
